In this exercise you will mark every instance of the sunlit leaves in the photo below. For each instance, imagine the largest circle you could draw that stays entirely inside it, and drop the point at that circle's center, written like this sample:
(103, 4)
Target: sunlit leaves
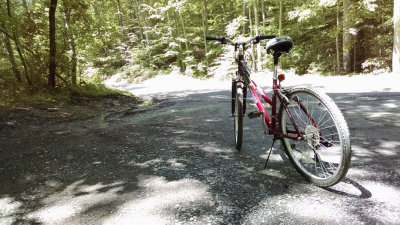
(370, 5)
(301, 15)
(327, 3)
(234, 28)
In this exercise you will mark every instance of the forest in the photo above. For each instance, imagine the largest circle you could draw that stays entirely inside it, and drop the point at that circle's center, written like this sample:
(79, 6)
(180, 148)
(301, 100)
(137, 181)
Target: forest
(64, 44)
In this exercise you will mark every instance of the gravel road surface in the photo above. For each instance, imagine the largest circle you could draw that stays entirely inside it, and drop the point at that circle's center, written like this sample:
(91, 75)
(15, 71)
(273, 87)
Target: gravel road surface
(171, 160)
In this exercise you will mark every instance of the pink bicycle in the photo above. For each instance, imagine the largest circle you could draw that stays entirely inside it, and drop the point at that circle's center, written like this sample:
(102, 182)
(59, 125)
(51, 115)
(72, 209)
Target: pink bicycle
(310, 126)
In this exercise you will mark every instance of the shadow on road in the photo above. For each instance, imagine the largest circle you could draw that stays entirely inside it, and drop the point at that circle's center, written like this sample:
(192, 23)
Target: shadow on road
(175, 163)
(364, 192)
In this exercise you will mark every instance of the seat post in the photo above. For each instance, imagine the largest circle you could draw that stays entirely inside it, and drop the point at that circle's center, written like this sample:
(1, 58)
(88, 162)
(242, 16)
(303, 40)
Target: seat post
(276, 66)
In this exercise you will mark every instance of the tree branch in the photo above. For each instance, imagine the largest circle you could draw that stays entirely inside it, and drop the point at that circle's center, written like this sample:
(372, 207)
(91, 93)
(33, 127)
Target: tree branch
(12, 38)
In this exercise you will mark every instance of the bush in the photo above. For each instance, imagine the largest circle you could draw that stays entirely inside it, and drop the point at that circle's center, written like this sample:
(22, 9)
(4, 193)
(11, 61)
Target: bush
(375, 65)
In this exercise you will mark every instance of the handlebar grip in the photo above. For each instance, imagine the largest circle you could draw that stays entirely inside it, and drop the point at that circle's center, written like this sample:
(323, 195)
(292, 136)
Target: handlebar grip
(263, 37)
(217, 38)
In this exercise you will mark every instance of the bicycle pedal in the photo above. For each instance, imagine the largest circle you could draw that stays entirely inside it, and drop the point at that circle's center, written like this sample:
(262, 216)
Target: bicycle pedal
(255, 114)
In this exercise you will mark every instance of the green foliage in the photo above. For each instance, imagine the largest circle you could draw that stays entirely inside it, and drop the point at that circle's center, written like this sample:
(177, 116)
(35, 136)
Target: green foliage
(95, 90)
(12, 94)
(140, 39)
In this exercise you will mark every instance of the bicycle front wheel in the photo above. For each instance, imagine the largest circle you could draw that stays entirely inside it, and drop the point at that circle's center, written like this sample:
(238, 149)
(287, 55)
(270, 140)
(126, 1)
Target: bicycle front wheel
(238, 116)
(323, 154)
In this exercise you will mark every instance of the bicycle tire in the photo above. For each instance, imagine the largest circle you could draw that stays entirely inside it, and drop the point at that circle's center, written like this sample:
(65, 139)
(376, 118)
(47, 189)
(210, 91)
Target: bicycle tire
(238, 116)
(233, 93)
(323, 156)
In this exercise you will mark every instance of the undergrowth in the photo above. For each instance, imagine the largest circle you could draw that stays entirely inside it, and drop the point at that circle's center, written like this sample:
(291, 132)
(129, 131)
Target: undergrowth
(14, 95)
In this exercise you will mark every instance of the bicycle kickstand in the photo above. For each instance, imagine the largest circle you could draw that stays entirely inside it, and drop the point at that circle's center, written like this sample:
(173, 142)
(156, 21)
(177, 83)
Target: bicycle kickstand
(269, 154)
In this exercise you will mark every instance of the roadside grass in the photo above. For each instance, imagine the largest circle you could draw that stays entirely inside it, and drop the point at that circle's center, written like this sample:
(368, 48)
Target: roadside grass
(17, 96)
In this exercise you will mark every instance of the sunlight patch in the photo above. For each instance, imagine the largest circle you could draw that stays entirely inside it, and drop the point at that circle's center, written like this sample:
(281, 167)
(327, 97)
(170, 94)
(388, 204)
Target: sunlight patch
(8, 209)
(390, 144)
(213, 149)
(161, 196)
(388, 196)
(291, 209)
(379, 114)
(390, 105)
(73, 200)
(384, 193)
(146, 164)
(57, 213)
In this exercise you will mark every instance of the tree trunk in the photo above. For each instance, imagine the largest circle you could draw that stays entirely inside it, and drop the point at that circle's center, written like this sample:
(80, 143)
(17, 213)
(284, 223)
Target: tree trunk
(253, 64)
(205, 25)
(97, 12)
(347, 37)
(146, 31)
(184, 32)
(52, 37)
(138, 19)
(12, 58)
(231, 9)
(178, 34)
(396, 38)
(206, 14)
(258, 45)
(337, 39)
(146, 34)
(18, 47)
(280, 17)
(71, 43)
(263, 14)
(121, 23)
(223, 10)
(250, 22)
(244, 16)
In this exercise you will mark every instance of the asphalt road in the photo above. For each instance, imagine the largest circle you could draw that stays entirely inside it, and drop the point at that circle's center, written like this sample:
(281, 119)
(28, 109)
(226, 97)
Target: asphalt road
(173, 162)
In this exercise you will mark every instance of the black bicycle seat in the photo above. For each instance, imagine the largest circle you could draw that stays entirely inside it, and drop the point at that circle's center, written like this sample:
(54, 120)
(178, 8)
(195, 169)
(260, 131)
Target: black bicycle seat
(279, 45)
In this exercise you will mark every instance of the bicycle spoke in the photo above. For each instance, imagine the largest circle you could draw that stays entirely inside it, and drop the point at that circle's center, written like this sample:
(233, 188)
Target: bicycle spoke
(329, 134)
(331, 126)
(299, 116)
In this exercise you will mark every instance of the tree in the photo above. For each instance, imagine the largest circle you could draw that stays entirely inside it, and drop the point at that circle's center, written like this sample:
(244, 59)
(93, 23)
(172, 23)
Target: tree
(18, 45)
(205, 24)
(256, 29)
(12, 58)
(396, 38)
(52, 38)
(337, 38)
(348, 31)
(280, 17)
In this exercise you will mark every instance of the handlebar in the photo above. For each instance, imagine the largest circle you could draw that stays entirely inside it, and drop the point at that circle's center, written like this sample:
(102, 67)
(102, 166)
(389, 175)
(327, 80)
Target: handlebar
(254, 40)
(264, 37)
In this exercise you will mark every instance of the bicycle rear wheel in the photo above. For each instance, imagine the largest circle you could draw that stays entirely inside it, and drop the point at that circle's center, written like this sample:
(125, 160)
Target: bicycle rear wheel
(238, 116)
(323, 155)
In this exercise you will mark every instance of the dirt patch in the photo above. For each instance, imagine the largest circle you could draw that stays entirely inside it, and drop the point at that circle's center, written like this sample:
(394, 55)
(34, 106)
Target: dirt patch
(78, 108)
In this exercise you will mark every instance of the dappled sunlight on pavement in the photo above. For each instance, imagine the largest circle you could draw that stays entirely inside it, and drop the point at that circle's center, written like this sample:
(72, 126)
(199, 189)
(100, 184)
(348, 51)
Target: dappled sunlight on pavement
(74, 200)
(176, 82)
(159, 196)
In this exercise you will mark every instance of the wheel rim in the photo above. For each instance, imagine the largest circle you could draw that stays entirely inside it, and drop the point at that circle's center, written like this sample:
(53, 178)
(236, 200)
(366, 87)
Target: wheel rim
(319, 154)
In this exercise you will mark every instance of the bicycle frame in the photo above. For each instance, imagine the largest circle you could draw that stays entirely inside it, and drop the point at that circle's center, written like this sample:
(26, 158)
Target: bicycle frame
(270, 122)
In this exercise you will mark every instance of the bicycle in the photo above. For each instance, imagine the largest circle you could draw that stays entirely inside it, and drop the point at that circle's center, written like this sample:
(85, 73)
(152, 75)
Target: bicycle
(310, 126)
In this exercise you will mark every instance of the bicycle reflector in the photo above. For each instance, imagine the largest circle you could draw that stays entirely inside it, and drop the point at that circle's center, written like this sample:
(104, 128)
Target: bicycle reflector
(281, 77)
